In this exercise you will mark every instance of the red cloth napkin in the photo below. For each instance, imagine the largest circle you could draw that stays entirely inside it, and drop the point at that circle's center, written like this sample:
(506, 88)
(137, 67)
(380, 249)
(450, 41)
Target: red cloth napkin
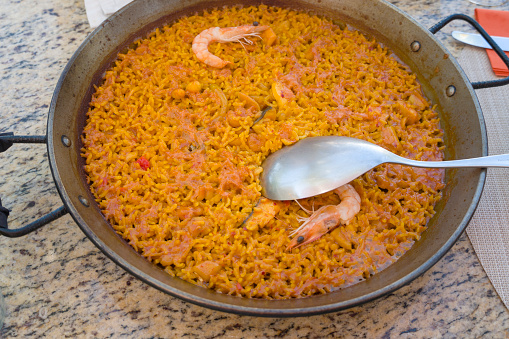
(495, 23)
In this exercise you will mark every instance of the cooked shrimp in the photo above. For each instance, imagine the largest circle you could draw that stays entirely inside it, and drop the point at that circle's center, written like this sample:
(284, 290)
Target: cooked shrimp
(227, 34)
(328, 217)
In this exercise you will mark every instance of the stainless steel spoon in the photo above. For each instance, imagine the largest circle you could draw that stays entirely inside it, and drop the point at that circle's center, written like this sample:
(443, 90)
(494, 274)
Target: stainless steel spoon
(319, 164)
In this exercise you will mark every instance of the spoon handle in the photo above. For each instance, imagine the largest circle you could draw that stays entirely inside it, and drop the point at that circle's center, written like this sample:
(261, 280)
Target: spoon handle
(489, 161)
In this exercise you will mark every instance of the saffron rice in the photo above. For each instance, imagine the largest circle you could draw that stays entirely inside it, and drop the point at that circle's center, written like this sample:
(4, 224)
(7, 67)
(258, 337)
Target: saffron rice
(173, 153)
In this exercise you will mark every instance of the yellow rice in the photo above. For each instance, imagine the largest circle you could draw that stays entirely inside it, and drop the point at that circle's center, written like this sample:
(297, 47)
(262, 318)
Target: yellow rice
(176, 171)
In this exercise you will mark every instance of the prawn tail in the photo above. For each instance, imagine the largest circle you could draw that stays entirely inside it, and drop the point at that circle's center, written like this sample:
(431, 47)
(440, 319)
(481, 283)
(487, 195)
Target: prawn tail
(350, 203)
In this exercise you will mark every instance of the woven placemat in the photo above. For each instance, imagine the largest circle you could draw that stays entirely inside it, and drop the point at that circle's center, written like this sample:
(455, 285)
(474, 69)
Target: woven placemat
(489, 228)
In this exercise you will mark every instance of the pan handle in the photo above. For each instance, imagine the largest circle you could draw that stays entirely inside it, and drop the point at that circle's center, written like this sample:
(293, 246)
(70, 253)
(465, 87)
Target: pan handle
(6, 141)
(481, 84)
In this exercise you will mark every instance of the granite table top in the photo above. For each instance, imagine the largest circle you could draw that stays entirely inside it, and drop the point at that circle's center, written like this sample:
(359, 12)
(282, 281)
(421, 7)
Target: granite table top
(56, 283)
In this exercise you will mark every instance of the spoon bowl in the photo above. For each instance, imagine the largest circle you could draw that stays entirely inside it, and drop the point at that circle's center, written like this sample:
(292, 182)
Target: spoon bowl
(317, 165)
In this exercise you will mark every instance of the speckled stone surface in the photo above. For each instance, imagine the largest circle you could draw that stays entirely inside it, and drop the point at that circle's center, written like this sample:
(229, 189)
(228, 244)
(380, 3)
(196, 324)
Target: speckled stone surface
(57, 284)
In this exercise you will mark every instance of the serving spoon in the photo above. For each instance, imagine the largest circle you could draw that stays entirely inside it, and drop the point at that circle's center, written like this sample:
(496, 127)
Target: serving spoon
(317, 165)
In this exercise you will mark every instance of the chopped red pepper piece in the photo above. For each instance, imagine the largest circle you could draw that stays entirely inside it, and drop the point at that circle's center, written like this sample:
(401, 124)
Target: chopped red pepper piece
(144, 163)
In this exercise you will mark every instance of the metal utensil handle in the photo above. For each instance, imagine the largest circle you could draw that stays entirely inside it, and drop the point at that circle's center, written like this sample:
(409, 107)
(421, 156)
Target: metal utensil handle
(501, 160)
(481, 84)
(6, 141)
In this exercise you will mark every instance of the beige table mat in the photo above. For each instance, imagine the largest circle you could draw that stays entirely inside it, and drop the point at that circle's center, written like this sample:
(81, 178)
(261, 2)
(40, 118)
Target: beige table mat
(489, 229)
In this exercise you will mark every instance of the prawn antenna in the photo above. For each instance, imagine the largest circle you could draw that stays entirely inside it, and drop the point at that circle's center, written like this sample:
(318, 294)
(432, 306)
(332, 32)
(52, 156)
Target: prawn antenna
(305, 209)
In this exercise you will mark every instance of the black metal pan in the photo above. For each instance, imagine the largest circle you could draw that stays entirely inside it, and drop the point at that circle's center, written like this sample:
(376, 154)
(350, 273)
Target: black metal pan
(441, 76)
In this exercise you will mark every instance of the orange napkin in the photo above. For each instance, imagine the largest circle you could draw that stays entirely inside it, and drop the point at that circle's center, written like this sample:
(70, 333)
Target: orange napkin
(495, 23)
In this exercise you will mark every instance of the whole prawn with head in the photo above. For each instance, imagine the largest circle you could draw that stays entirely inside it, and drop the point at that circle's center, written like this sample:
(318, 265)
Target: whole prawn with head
(327, 217)
(227, 34)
